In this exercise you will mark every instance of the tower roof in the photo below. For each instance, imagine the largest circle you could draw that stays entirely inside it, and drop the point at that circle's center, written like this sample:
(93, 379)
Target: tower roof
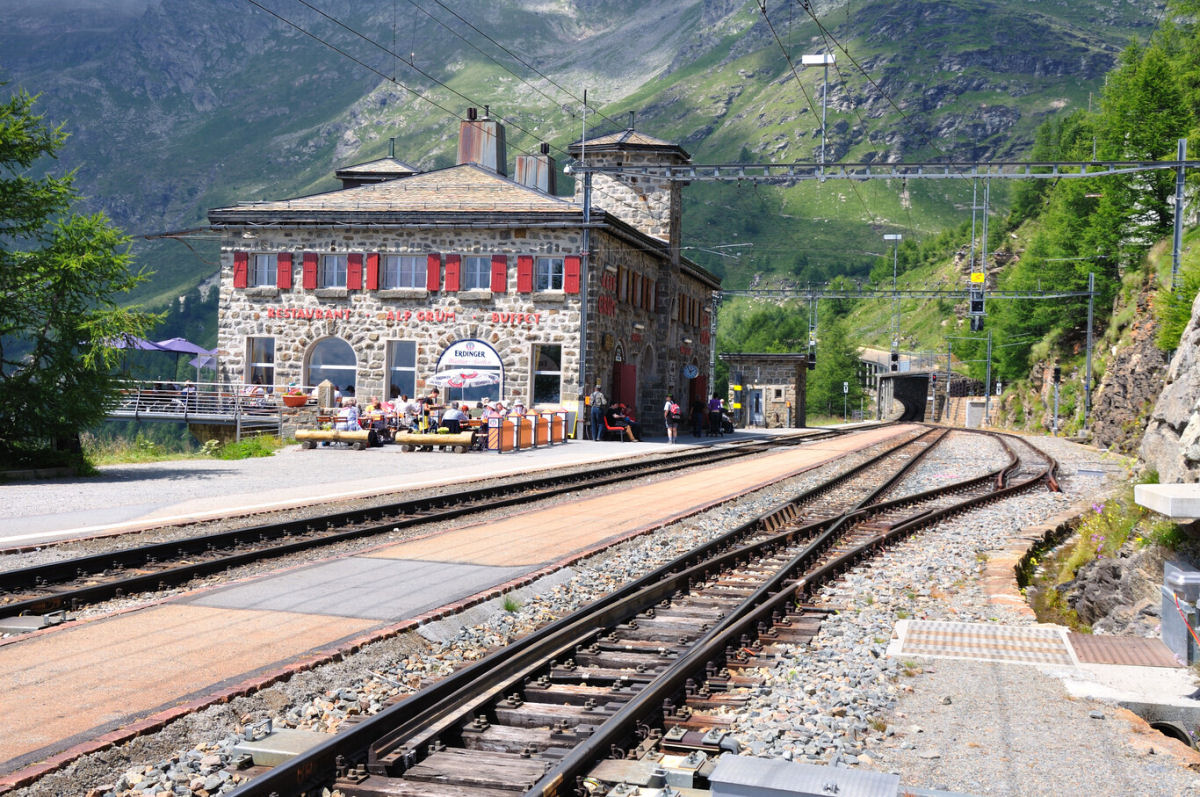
(628, 140)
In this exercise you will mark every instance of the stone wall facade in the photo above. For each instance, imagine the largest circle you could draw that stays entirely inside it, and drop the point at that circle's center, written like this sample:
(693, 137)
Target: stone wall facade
(652, 205)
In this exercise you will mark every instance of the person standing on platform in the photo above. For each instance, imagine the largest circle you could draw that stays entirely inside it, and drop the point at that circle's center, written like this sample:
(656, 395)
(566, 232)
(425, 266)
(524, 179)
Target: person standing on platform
(714, 416)
(671, 417)
(599, 405)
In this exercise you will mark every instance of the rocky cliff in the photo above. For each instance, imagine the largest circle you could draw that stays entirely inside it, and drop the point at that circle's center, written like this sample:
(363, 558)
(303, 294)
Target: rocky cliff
(1131, 383)
(1171, 444)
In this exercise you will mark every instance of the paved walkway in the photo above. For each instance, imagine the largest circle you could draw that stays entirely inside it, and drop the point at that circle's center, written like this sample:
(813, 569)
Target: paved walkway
(137, 496)
(139, 669)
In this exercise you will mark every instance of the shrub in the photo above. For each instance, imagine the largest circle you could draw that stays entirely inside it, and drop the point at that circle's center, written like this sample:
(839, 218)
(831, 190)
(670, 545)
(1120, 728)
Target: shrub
(260, 446)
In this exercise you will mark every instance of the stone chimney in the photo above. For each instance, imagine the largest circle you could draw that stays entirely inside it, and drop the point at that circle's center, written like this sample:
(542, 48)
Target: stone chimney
(538, 171)
(481, 141)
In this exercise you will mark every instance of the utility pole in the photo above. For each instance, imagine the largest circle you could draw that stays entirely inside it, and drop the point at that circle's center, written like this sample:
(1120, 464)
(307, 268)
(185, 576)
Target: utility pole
(1087, 379)
(821, 59)
(584, 276)
(895, 239)
(1178, 241)
(987, 383)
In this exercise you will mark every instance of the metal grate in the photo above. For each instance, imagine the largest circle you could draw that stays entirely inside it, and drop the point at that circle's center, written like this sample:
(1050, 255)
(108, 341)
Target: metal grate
(1132, 651)
(982, 641)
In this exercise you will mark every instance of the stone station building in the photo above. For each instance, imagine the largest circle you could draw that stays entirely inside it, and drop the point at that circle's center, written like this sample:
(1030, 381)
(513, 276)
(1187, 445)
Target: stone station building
(401, 275)
(773, 389)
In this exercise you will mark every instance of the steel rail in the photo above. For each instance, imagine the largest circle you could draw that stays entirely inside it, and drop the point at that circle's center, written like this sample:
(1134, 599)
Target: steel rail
(377, 520)
(624, 726)
(494, 671)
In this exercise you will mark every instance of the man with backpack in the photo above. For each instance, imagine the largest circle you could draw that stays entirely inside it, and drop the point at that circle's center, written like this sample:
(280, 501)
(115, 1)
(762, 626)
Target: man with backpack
(671, 416)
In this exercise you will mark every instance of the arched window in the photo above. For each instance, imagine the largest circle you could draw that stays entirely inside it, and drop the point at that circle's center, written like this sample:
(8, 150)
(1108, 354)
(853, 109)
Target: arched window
(332, 359)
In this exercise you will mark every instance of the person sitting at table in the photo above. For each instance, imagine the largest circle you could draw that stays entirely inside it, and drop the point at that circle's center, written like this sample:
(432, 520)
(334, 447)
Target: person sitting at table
(453, 417)
(494, 410)
(347, 419)
(518, 407)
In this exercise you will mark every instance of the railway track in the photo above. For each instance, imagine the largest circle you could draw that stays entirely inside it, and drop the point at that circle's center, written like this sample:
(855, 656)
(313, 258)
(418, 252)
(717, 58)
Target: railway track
(71, 584)
(635, 689)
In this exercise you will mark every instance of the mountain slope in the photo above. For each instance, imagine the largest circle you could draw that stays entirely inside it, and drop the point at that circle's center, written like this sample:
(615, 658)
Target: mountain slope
(176, 107)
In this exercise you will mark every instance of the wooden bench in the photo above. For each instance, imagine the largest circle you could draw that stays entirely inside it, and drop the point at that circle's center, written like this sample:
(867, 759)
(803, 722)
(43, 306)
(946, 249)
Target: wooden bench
(425, 441)
(358, 440)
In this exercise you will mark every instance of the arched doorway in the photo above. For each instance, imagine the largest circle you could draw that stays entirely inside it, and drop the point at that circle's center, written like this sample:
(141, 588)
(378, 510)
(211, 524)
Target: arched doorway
(332, 359)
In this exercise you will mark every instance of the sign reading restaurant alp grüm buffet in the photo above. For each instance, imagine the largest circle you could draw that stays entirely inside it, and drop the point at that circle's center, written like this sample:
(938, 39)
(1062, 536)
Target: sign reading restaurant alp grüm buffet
(411, 317)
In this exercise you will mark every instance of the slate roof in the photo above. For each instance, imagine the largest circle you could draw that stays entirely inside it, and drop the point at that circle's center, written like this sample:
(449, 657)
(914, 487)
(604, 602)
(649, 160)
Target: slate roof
(458, 189)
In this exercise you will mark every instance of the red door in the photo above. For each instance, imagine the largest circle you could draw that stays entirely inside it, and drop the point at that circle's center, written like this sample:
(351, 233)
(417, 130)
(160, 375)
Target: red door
(625, 386)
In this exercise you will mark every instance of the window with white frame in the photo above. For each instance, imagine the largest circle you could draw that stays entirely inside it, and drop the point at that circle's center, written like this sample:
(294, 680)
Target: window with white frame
(404, 271)
(263, 269)
(547, 375)
(260, 362)
(548, 274)
(333, 271)
(402, 368)
(477, 273)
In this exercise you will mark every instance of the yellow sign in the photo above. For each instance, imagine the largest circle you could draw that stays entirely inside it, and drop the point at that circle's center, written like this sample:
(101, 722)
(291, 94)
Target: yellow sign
(977, 276)
(737, 405)
(735, 387)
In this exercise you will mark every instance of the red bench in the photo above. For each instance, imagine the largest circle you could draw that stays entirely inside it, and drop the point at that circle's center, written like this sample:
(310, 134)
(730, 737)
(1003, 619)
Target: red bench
(619, 431)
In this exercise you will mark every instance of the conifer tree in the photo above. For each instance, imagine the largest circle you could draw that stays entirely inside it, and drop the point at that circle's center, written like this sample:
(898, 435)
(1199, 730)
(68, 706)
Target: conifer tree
(61, 275)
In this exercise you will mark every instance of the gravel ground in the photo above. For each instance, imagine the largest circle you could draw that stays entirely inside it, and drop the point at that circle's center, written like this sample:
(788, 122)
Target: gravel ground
(950, 725)
(971, 727)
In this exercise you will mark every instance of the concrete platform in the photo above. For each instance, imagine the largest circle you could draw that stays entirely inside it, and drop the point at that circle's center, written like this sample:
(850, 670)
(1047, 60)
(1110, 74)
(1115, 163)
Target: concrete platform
(1176, 501)
(374, 589)
(133, 497)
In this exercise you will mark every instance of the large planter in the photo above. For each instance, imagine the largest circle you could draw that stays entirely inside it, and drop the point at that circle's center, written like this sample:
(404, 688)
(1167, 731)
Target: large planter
(294, 401)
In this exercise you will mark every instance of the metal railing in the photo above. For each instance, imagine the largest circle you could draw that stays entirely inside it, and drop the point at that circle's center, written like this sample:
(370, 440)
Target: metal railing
(246, 407)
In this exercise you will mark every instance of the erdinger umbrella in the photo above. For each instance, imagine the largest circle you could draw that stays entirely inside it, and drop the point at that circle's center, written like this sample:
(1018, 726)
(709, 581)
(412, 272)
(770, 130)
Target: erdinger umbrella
(184, 346)
(181, 346)
(464, 377)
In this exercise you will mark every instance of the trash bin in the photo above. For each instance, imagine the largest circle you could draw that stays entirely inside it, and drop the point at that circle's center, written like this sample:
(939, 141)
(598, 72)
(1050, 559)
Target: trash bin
(1180, 618)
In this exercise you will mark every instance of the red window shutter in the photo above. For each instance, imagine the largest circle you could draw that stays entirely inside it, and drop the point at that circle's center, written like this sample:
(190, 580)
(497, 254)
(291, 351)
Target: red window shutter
(453, 272)
(310, 271)
(571, 269)
(373, 271)
(241, 269)
(499, 273)
(433, 273)
(524, 273)
(283, 269)
(354, 271)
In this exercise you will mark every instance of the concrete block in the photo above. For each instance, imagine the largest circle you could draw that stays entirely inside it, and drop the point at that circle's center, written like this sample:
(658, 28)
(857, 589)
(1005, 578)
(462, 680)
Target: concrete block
(279, 746)
(1177, 501)
(742, 776)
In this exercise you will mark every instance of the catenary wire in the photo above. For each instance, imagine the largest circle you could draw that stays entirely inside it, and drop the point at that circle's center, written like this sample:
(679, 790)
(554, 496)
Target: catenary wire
(415, 68)
(762, 6)
(524, 63)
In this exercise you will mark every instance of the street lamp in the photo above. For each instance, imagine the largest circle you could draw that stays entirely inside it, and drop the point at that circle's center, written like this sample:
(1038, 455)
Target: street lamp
(895, 239)
(821, 59)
